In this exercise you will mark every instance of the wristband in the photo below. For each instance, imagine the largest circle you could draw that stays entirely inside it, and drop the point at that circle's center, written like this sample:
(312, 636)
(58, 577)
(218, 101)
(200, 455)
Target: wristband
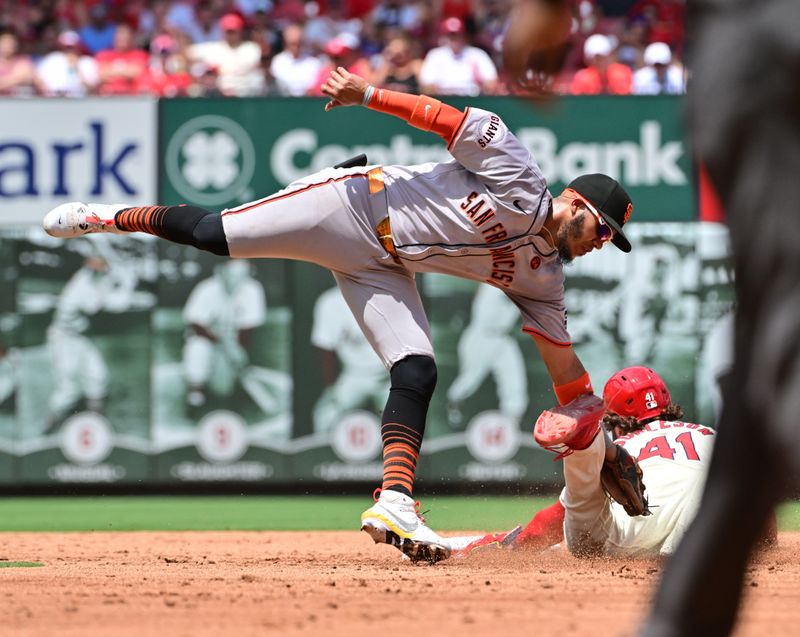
(367, 95)
(568, 392)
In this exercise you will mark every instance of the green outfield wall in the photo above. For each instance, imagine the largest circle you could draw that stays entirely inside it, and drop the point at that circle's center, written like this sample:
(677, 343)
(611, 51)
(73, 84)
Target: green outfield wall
(223, 152)
(107, 375)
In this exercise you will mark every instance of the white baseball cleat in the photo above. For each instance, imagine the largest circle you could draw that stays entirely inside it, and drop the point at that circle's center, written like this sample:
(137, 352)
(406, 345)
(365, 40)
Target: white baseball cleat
(394, 519)
(75, 219)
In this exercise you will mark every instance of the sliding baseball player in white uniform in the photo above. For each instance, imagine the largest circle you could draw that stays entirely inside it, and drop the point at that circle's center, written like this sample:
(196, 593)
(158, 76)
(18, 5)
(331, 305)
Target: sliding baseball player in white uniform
(673, 456)
(485, 215)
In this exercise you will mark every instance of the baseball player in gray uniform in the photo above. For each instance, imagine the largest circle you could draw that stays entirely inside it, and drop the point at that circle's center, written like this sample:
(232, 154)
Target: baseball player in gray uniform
(486, 215)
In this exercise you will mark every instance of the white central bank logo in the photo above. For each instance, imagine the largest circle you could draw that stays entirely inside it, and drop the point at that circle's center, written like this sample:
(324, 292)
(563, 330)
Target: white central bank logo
(210, 160)
(649, 159)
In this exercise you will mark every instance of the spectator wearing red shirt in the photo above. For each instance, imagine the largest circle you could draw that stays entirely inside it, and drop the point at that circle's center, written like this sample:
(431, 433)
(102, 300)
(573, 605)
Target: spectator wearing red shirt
(167, 74)
(666, 19)
(67, 12)
(121, 67)
(602, 74)
(359, 9)
(343, 50)
(287, 12)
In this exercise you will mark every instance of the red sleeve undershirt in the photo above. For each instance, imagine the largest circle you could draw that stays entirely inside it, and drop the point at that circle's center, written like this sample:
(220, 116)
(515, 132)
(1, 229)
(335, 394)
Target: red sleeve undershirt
(420, 111)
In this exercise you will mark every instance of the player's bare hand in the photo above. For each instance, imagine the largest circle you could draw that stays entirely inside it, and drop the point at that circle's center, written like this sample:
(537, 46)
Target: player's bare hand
(344, 88)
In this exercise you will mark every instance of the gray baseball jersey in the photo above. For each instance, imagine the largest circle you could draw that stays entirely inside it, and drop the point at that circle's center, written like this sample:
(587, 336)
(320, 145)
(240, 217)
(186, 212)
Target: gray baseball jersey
(474, 217)
(478, 217)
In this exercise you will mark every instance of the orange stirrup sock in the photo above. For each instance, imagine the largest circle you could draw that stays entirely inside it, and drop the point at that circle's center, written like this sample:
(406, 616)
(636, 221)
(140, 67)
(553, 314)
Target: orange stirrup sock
(400, 454)
(568, 392)
(147, 219)
(420, 111)
(188, 225)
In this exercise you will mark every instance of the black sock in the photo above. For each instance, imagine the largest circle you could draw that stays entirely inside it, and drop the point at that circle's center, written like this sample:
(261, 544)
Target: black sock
(403, 422)
(187, 225)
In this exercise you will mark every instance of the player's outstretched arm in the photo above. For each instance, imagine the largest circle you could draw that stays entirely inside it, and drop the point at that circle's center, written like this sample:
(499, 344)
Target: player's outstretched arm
(420, 111)
(570, 378)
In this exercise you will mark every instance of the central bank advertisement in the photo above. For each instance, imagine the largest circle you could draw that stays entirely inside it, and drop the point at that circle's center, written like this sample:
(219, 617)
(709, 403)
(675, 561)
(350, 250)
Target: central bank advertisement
(220, 153)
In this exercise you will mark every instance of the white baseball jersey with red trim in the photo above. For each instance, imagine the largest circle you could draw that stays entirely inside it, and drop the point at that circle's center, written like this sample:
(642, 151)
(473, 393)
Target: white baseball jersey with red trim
(674, 457)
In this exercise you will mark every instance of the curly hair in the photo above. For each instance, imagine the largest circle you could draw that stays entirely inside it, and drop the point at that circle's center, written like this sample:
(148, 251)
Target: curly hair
(629, 424)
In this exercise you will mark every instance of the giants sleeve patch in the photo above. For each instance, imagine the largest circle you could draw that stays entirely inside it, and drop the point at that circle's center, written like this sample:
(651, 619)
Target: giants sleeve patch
(492, 131)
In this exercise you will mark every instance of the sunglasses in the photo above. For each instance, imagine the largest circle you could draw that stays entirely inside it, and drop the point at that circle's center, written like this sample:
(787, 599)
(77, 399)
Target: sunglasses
(604, 231)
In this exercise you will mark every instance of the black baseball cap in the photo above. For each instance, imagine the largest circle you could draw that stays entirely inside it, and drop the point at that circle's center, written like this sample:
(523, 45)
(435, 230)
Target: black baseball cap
(610, 199)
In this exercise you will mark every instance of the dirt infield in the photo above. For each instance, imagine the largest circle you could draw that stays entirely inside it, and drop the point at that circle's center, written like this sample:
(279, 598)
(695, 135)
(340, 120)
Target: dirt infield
(339, 583)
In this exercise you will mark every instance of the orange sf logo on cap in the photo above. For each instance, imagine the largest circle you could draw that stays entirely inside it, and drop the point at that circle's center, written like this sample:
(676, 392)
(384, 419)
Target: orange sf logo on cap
(628, 212)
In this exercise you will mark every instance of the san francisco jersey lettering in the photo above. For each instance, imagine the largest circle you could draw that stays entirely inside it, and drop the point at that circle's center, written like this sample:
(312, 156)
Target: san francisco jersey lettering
(478, 216)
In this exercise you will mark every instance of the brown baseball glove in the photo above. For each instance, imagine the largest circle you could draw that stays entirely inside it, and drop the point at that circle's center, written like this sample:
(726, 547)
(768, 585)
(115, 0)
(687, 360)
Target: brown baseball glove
(536, 43)
(622, 481)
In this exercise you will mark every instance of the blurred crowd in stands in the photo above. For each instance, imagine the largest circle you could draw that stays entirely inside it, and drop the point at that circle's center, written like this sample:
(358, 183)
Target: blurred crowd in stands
(72, 48)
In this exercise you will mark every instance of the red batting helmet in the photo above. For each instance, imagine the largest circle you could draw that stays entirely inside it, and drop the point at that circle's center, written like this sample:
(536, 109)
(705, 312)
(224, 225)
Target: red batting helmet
(636, 391)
